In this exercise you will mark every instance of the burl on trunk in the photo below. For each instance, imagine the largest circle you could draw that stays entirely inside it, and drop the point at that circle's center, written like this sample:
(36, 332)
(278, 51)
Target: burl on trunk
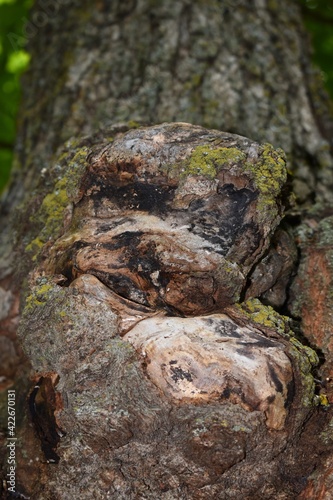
(158, 372)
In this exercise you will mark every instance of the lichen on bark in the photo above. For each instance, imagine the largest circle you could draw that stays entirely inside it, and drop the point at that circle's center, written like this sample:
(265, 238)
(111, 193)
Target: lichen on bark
(134, 306)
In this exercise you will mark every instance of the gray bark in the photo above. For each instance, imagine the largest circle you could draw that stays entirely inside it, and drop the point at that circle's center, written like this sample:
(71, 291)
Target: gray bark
(242, 67)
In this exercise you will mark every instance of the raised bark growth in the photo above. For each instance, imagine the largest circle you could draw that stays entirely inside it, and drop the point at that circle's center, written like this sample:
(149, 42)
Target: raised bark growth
(165, 380)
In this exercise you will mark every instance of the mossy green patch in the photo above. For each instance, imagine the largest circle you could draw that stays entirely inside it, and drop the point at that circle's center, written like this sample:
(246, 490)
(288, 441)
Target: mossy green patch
(268, 172)
(322, 400)
(38, 297)
(208, 162)
(50, 217)
(305, 357)
(51, 214)
(266, 317)
(269, 176)
(271, 173)
(73, 169)
(52, 210)
(34, 247)
(306, 360)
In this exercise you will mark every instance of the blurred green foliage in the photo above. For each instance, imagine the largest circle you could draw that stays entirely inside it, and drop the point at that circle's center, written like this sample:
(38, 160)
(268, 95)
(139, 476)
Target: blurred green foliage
(13, 60)
(318, 18)
(317, 14)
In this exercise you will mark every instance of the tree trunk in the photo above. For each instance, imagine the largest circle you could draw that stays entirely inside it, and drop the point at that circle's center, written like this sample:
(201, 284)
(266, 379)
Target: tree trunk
(151, 266)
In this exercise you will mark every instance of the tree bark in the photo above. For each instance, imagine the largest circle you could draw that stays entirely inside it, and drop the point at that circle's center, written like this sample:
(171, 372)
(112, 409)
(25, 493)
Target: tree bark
(173, 229)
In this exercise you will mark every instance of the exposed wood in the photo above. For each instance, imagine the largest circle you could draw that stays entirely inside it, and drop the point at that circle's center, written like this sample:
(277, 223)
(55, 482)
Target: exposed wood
(135, 308)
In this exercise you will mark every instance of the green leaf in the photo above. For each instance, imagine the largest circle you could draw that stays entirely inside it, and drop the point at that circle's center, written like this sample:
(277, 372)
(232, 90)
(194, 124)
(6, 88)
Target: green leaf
(318, 18)
(18, 61)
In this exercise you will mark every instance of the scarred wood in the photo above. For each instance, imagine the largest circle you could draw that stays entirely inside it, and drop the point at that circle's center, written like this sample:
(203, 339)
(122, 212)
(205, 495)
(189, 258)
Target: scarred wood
(135, 305)
(163, 234)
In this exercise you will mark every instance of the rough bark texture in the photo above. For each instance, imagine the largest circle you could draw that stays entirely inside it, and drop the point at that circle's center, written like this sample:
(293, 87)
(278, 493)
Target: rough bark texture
(174, 229)
(133, 326)
(238, 66)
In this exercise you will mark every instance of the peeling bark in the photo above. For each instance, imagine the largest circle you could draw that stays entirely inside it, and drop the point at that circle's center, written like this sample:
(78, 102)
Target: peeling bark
(311, 292)
(134, 308)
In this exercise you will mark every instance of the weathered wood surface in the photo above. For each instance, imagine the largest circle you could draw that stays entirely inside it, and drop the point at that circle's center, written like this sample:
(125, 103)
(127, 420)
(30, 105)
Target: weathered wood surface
(152, 380)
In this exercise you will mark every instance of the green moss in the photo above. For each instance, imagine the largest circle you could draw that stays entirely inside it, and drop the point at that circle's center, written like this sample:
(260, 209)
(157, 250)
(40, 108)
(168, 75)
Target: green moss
(51, 214)
(270, 174)
(34, 247)
(272, 168)
(306, 360)
(52, 210)
(75, 167)
(39, 296)
(266, 317)
(310, 355)
(305, 357)
(322, 400)
(208, 162)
